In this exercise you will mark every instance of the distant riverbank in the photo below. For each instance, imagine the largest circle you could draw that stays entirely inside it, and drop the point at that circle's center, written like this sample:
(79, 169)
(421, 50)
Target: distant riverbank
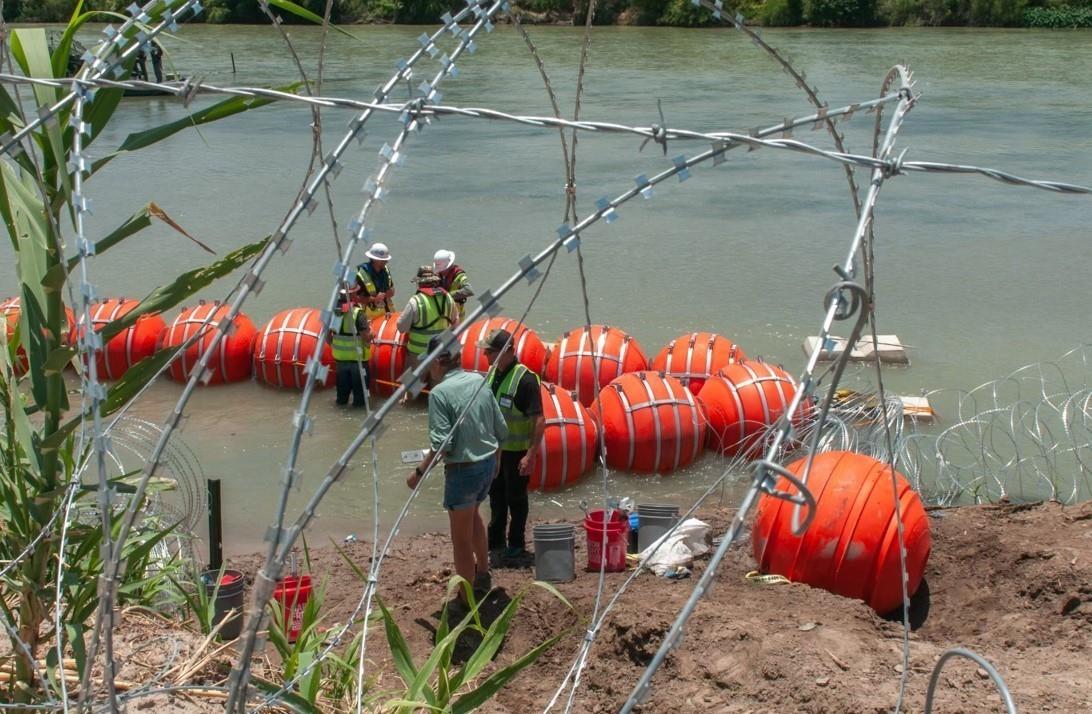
(672, 13)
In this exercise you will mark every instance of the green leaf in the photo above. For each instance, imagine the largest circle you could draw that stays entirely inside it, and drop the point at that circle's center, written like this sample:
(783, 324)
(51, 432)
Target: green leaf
(306, 14)
(58, 359)
(289, 700)
(490, 643)
(31, 49)
(133, 225)
(185, 285)
(400, 652)
(489, 688)
(220, 110)
(64, 47)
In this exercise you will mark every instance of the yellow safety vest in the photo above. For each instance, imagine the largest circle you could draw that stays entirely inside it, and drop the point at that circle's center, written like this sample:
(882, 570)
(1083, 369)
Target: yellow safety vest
(435, 313)
(364, 277)
(345, 343)
(519, 424)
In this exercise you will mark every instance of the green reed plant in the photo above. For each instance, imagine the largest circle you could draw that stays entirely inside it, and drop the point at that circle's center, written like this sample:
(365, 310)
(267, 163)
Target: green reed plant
(42, 455)
(439, 684)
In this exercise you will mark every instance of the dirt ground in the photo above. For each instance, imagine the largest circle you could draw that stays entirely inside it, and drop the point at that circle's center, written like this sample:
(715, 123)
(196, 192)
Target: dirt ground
(1011, 582)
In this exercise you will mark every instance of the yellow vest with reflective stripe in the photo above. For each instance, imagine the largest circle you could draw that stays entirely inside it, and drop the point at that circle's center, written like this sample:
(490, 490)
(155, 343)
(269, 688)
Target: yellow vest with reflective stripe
(345, 343)
(457, 281)
(519, 424)
(435, 313)
(365, 277)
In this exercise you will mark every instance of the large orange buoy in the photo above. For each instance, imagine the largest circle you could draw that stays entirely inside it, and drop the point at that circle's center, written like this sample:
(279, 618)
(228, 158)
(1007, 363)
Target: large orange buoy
(388, 360)
(851, 547)
(696, 357)
(129, 346)
(567, 449)
(651, 423)
(232, 360)
(11, 309)
(572, 362)
(529, 348)
(285, 345)
(742, 402)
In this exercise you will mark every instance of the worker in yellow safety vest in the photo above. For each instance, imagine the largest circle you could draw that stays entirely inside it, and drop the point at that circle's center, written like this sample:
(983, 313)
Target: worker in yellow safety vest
(516, 389)
(374, 286)
(452, 278)
(428, 313)
(351, 347)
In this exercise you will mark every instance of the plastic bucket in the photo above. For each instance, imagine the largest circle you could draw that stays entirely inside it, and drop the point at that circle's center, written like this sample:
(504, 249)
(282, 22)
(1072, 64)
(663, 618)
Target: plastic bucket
(616, 533)
(555, 553)
(228, 596)
(655, 520)
(293, 593)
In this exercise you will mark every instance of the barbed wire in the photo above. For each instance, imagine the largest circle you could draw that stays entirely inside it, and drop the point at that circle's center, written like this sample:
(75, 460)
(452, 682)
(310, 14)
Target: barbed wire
(418, 112)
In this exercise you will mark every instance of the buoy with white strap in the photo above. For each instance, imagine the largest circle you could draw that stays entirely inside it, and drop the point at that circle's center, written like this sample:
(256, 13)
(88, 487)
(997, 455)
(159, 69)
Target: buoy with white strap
(286, 344)
(129, 346)
(651, 423)
(573, 361)
(742, 402)
(529, 348)
(567, 449)
(232, 360)
(388, 360)
(695, 357)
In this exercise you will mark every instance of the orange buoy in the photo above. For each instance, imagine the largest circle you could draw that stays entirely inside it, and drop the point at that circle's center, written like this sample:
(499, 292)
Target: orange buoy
(285, 345)
(742, 402)
(530, 350)
(129, 346)
(696, 357)
(11, 309)
(232, 360)
(567, 449)
(651, 423)
(572, 362)
(388, 360)
(851, 547)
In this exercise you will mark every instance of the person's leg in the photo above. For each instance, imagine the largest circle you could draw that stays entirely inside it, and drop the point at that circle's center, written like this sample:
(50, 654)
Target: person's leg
(358, 386)
(481, 547)
(462, 543)
(498, 513)
(343, 378)
(516, 492)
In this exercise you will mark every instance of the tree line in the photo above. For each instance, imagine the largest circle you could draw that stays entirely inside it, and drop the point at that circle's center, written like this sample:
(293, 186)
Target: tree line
(675, 13)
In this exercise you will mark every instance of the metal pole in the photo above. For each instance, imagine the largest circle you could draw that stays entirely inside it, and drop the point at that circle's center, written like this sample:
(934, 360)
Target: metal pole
(232, 62)
(216, 525)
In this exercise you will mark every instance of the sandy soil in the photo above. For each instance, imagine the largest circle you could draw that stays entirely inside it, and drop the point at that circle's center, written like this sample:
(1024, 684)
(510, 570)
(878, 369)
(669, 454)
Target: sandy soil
(1013, 583)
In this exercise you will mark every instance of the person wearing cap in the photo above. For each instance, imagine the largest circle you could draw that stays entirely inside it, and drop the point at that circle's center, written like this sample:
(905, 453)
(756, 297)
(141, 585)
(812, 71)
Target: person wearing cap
(516, 389)
(452, 278)
(375, 287)
(465, 428)
(429, 312)
(351, 347)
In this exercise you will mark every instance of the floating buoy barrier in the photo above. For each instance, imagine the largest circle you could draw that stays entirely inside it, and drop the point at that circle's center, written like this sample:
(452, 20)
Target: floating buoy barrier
(742, 401)
(567, 449)
(11, 309)
(388, 360)
(851, 547)
(651, 423)
(285, 345)
(572, 362)
(129, 346)
(232, 360)
(694, 358)
(530, 350)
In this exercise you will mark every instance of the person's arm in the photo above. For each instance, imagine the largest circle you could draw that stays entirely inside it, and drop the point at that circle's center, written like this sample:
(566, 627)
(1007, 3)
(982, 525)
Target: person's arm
(408, 317)
(462, 290)
(529, 401)
(364, 330)
(440, 425)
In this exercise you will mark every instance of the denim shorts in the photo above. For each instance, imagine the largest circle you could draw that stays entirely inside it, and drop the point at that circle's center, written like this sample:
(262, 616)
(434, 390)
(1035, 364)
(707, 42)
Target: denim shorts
(467, 485)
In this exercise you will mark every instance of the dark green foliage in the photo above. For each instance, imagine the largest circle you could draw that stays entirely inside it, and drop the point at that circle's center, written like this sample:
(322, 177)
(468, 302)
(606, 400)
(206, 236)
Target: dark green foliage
(840, 13)
(929, 13)
(994, 13)
(1058, 17)
(782, 13)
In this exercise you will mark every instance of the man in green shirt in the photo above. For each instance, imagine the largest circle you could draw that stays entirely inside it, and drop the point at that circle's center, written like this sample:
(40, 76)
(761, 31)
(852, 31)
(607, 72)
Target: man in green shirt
(469, 447)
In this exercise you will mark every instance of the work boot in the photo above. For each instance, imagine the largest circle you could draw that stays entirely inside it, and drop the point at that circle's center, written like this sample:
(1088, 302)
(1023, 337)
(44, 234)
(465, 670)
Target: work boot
(518, 558)
(483, 583)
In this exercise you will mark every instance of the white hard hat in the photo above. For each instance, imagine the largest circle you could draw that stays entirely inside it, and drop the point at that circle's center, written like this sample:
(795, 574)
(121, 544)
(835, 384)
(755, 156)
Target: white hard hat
(378, 251)
(443, 260)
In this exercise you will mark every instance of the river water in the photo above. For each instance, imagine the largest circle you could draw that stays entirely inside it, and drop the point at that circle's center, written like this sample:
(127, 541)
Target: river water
(978, 277)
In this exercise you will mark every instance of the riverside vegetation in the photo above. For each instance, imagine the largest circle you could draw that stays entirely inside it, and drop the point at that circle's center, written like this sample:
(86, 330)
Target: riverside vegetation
(676, 13)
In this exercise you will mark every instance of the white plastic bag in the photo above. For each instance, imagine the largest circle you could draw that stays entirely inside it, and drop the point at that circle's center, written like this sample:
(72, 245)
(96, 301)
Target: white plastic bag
(679, 548)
